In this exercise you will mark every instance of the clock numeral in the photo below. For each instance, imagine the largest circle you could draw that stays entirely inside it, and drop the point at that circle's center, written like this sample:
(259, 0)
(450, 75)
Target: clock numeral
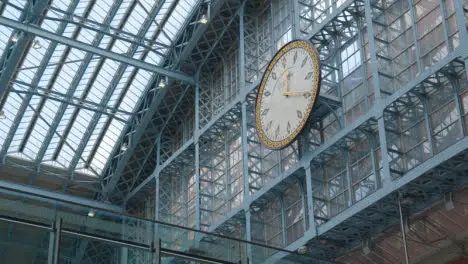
(273, 75)
(295, 57)
(267, 93)
(284, 62)
(269, 125)
(299, 114)
(308, 75)
(303, 62)
(277, 131)
(264, 112)
(288, 128)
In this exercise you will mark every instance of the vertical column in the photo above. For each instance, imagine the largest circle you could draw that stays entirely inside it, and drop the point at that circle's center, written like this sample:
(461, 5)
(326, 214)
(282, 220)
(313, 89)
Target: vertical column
(403, 231)
(385, 176)
(310, 202)
(54, 242)
(123, 249)
(244, 131)
(415, 35)
(348, 178)
(370, 140)
(196, 137)
(283, 221)
(183, 187)
(245, 171)
(241, 51)
(295, 19)
(427, 123)
(443, 12)
(460, 13)
(58, 237)
(156, 206)
(158, 150)
(227, 174)
(157, 251)
(454, 82)
(272, 33)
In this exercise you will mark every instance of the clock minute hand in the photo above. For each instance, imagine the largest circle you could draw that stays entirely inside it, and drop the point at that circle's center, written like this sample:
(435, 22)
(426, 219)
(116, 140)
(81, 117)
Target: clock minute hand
(286, 84)
(307, 93)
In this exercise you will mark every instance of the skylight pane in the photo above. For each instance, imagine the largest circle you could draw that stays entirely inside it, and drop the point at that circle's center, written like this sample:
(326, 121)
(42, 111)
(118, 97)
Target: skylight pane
(121, 47)
(51, 25)
(75, 136)
(81, 7)
(11, 107)
(135, 20)
(37, 137)
(123, 9)
(23, 125)
(32, 61)
(125, 96)
(85, 79)
(106, 145)
(11, 12)
(123, 83)
(61, 4)
(86, 35)
(135, 91)
(92, 141)
(100, 11)
(5, 34)
(59, 131)
(148, 4)
(103, 81)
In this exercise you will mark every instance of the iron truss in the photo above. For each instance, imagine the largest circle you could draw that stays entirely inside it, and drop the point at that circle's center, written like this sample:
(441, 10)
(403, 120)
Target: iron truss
(343, 203)
(81, 82)
(390, 120)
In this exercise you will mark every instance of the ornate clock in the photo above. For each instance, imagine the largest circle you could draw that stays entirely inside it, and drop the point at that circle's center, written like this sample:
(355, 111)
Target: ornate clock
(287, 94)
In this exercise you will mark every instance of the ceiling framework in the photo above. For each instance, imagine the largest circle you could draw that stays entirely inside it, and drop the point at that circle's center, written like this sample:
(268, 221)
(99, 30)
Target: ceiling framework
(81, 80)
(404, 136)
(176, 109)
(390, 122)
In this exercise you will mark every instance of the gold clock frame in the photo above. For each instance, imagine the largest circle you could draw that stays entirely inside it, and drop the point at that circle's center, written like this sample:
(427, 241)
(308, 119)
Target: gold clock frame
(306, 45)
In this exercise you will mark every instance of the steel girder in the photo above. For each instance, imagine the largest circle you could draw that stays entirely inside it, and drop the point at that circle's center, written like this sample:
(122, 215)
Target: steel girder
(326, 101)
(143, 160)
(223, 37)
(380, 206)
(97, 51)
(11, 58)
(67, 99)
(178, 52)
(115, 81)
(150, 103)
(27, 190)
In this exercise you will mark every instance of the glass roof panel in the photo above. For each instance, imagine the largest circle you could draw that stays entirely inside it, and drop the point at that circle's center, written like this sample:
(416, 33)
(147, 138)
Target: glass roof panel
(14, 9)
(81, 102)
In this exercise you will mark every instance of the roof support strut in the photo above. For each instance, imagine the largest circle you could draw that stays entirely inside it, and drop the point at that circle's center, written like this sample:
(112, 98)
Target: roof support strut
(95, 50)
(14, 51)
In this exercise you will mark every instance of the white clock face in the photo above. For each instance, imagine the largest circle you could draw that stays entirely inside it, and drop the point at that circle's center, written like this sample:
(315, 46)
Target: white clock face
(287, 94)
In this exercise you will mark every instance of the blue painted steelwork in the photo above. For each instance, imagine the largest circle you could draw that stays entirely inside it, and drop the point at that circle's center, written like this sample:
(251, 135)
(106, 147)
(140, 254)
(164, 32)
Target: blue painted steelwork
(113, 85)
(96, 50)
(25, 189)
(116, 167)
(12, 57)
(11, 60)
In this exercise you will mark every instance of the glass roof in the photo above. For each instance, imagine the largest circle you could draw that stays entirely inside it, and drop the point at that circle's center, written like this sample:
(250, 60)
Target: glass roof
(71, 106)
